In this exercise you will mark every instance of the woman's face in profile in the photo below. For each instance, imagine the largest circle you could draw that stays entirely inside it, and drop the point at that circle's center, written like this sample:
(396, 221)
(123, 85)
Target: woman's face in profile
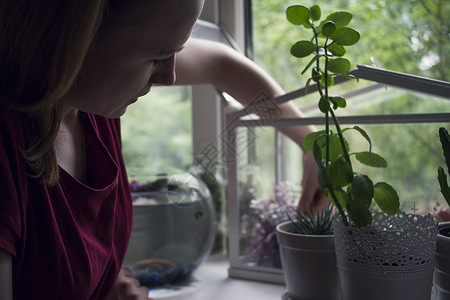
(123, 65)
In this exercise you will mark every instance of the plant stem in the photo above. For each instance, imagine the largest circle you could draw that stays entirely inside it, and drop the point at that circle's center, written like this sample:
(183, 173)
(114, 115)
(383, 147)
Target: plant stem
(327, 121)
(339, 207)
(341, 137)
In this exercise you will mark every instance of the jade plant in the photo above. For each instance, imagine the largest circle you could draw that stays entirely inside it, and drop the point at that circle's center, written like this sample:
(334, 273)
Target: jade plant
(351, 192)
(442, 177)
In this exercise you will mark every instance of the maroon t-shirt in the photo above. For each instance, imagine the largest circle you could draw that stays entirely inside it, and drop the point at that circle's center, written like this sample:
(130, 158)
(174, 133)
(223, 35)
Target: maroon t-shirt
(67, 241)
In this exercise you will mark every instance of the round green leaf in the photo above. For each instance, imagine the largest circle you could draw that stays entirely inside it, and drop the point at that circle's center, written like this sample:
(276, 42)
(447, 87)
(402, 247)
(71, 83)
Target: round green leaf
(345, 36)
(359, 213)
(330, 80)
(302, 48)
(362, 189)
(338, 101)
(308, 141)
(328, 28)
(371, 159)
(341, 196)
(340, 18)
(335, 147)
(315, 75)
(339, 65)
(298, 14)
(317, 151)
(324, 105)
(386, 197)
(322, 178)
(315, 12)
(341, 173)
(336, 50)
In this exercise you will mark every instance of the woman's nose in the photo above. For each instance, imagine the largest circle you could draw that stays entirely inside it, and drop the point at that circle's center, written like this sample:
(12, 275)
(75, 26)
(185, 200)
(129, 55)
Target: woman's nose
(165, 73)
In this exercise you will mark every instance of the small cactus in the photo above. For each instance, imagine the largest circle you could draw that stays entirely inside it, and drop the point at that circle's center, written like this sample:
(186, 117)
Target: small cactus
(442, 177)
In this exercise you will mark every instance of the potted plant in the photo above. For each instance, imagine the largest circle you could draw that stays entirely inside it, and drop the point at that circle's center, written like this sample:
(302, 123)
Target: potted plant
(308, 255)
(385, 255)
(301, 243)
(442, 269)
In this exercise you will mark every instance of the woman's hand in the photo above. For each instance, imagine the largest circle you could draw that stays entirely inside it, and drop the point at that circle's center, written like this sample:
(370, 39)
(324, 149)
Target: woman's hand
(312, 195)
(127, 287)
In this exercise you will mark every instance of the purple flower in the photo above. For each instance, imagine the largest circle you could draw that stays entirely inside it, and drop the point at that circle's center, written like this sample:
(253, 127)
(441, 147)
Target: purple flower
(265, 215)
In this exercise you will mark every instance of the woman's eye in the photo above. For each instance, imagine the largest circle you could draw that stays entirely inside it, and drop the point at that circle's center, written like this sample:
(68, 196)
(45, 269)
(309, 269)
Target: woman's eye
(161, 61)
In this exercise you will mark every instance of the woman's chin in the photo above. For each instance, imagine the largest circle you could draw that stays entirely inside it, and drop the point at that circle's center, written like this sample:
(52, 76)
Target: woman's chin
(116, 113)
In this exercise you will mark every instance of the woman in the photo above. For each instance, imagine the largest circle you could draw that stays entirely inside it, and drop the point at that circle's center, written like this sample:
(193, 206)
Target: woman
(69, 70)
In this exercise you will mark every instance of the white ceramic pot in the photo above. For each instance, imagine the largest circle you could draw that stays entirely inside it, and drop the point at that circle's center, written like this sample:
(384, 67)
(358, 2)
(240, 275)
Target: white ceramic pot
(442, 269)
(309, 264)
(392, 259)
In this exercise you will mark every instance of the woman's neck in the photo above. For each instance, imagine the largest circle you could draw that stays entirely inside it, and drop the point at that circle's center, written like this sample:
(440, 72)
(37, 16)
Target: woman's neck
(69, 144)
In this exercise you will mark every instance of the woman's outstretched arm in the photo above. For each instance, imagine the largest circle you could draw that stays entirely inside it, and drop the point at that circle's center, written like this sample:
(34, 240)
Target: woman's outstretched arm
(206, 62)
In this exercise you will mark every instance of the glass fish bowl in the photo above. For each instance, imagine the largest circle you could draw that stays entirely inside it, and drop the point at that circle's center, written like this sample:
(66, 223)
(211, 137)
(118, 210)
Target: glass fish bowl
(173, 228)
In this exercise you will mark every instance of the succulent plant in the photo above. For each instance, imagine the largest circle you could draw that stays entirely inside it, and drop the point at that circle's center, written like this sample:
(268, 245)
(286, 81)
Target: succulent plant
(311, 223)
(442, 177)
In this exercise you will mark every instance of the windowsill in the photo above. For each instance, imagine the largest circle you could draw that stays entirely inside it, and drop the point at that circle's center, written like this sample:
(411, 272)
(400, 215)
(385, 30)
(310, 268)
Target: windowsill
(212, 282)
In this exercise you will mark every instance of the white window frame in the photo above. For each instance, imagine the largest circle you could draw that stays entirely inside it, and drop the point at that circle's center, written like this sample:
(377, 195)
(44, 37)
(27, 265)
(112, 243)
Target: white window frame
(207, 104)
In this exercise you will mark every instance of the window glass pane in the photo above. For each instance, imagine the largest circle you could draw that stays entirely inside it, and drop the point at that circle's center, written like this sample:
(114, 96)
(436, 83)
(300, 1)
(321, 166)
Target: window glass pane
(413, 153)
(256, 162)
(397, 37)
(156, 131)
(256, 178)
(404, 36)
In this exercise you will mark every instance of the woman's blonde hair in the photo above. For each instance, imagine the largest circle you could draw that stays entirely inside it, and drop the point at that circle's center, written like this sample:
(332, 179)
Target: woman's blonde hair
(43, 44)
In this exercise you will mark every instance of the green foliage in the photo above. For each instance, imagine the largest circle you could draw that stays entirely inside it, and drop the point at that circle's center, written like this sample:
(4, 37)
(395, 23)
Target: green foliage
(401, 36)
(385, 196)
(442, 177)
(156, 131)
(409, 36)
(313, 223)
(351, 192)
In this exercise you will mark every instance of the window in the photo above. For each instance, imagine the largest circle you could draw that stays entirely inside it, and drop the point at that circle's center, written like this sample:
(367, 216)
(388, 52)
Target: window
(391, 38)
(156, 131)
(398, 38)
